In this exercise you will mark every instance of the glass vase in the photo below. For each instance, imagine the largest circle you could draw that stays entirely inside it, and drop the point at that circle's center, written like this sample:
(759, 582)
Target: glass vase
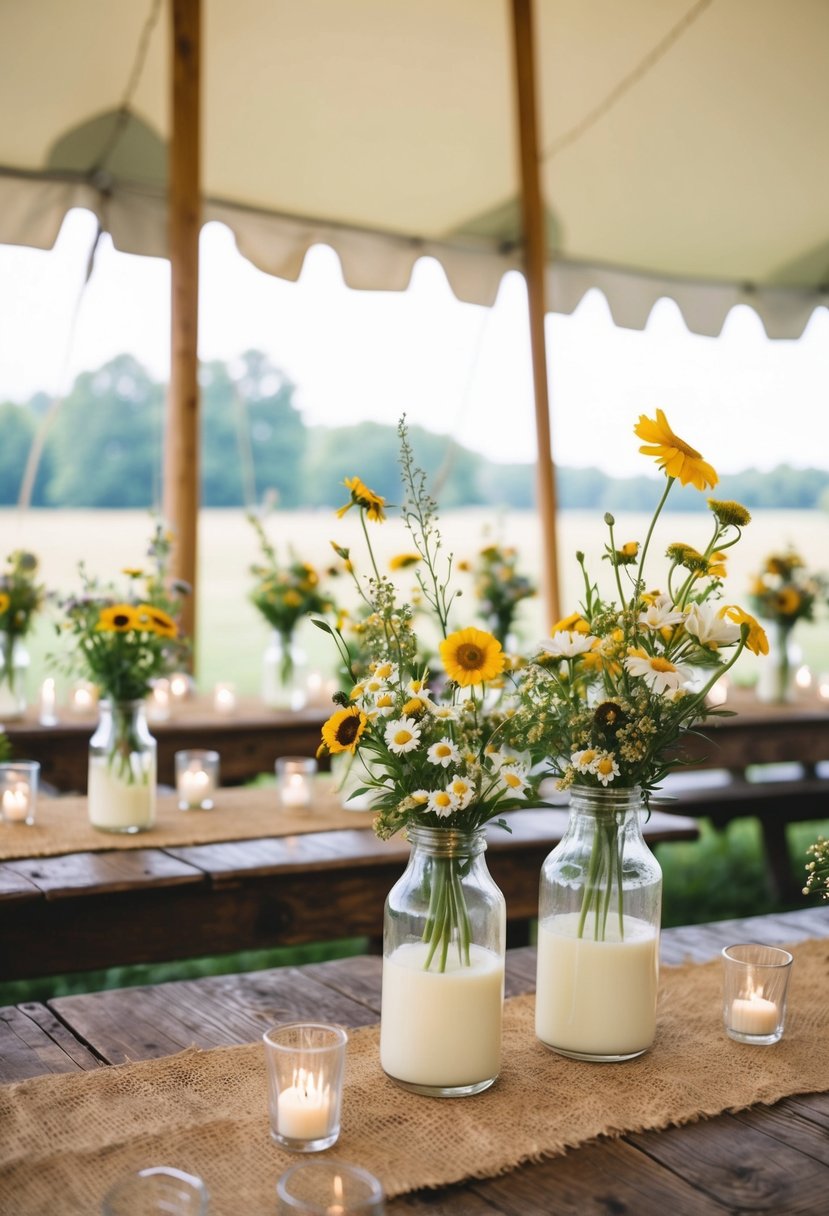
(14, 674)
(776, 681)
(284, 673)
(122, 769)
(444, 935)
(599, 911)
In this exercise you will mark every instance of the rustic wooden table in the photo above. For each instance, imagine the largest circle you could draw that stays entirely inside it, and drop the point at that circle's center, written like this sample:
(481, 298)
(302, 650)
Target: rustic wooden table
(83, 911)
(767, 1159)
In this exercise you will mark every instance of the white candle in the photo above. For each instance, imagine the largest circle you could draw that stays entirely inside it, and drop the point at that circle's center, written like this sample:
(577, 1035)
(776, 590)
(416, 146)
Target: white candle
(194, 786)
(47, 715)
(296, 790)
(754, 1015)
(304, 1109)
(16, 803)
(224, 699)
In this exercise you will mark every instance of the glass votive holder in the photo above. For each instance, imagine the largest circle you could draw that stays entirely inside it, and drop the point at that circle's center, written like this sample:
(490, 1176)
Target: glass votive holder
(197, 779)
(755, 982)
(323, 1186)
(18, 791)
(158, 1189)
(295, 780)
(305, 1066)
(224, 699)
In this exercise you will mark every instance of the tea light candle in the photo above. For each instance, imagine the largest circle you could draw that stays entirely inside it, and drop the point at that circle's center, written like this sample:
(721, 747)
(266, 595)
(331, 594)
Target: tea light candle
(803, 677)
(304, 1108)
(179, 686)
(294, 778)
(754, 1015)
(82, 698)
(16, 803)
(194, 786)
(47, 715)
(159, 707)
(224, 699)
(823, 687)
(718, 693)
(197, 778)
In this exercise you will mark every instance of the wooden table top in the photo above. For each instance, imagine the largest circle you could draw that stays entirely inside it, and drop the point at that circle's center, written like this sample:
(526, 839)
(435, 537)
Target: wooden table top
(766, 1159)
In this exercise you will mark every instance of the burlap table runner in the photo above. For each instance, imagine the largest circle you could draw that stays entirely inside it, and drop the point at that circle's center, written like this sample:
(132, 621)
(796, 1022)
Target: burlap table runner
(66, 1138)
(246, 813)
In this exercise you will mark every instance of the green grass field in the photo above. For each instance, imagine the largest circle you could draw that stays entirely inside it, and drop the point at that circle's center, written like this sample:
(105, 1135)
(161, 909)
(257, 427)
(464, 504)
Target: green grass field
(231, 636)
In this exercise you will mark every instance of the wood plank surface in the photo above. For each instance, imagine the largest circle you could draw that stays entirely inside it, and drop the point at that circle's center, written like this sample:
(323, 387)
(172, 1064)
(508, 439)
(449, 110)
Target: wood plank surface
(769, 1159)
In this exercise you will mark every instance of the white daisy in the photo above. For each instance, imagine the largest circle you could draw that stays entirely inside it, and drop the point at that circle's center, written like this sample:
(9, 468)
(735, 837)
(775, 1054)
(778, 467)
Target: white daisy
(706, 623)
(443, 752)
(661, 613)
(585, 761)
(402, 735)
(461, 789)
(660, 674)
(442, 802)
(420, 689)
(384, 704)
(420, 797)
(444, 713)
(514, 780)
(606, 768)
(567, 645)
(384, 671)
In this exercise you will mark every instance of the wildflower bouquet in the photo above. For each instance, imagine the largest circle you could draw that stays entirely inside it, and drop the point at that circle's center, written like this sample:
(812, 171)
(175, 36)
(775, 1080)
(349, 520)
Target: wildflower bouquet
(499, 588)
(284, 594)
(127, 637)
(432, 744)
(21, 597)
(784, 592)
(609, 694)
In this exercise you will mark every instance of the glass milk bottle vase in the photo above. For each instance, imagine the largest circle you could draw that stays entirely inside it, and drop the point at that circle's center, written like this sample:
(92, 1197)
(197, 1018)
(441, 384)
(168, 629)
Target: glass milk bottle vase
(776, 679)
(122, 769)
(598, 931)
(14, 672)
(284, 673)
(444, 937)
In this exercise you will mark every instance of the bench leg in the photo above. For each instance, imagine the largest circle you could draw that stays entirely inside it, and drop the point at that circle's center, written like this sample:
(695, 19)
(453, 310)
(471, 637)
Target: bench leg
(785, 886)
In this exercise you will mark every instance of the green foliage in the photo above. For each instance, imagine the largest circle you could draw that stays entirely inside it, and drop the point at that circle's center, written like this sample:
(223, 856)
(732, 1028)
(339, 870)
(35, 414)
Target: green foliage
(17, 426)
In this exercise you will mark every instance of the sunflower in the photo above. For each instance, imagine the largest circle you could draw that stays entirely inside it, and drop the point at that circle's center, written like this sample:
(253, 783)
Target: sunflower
(362, 496)
(118, 618)
(342, 731)
(673, 455)
(5, 600)
(157, 621)
(471, 656)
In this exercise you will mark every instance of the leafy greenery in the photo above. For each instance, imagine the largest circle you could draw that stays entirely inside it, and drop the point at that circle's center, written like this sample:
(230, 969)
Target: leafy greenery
(104, 449)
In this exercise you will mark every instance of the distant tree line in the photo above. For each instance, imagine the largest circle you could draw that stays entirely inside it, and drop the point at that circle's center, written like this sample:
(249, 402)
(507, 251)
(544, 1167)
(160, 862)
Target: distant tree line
(103, 448)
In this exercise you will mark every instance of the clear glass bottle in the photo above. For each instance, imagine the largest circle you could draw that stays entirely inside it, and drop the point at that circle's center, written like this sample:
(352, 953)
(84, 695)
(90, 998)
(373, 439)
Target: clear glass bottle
(600, 904)
(122, 769)
(444, 940)
(14, 674)
(776, 679)
(284, 673)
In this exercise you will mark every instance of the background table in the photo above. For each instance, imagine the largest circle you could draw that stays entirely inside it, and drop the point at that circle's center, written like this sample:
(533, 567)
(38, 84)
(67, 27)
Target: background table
(767, 1159)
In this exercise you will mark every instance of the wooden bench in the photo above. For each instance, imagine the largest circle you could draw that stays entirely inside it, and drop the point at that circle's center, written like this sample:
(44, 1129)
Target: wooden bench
(86, 911)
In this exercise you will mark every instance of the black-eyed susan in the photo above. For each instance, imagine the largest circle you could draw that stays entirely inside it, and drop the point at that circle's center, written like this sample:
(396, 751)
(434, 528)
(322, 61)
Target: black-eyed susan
(674, 456)
(364, 498)
(471, 656)
(342, 731)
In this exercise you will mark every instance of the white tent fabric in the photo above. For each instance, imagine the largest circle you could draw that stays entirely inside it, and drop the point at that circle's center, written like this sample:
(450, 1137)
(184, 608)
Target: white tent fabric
(684, 146)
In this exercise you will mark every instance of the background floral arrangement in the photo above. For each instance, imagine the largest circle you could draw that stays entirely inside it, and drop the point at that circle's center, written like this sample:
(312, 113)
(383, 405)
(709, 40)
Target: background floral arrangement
(125, 640)
(499, 587)
(285, 594)
(784, 592)
(433, 746)
(817, 870)
(21, 598)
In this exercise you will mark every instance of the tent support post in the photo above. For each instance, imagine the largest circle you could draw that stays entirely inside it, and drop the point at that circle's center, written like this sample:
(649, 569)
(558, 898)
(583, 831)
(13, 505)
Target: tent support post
(534, 263)
(181, 440)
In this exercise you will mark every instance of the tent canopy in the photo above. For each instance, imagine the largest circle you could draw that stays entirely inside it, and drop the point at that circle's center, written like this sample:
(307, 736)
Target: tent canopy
(682, 141)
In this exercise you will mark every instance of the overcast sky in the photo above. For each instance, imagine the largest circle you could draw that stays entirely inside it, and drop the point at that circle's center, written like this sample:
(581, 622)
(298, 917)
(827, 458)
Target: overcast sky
(456, 368)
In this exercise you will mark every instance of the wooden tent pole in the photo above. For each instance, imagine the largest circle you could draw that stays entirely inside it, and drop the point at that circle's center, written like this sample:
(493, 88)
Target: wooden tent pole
(535, 253)
(181, 440)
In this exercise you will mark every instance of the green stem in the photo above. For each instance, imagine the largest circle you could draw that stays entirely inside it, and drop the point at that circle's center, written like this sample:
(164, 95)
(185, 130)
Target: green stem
(656, 514)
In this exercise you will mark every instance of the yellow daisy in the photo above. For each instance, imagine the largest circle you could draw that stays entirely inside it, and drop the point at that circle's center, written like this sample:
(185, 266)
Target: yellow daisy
(676, 457)
(402, 561)
(362, 496)
(471, 656)
(757, 642)
(342, 731)
(4, 601)
(574, 623)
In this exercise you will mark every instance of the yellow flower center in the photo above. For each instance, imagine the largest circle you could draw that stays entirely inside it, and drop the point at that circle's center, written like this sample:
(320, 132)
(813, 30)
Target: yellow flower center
(403, 736)
(469, 656)
(658, 664)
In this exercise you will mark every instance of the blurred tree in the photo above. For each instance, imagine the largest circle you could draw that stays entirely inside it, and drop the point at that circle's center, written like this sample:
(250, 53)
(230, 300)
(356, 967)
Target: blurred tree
(17, 427)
